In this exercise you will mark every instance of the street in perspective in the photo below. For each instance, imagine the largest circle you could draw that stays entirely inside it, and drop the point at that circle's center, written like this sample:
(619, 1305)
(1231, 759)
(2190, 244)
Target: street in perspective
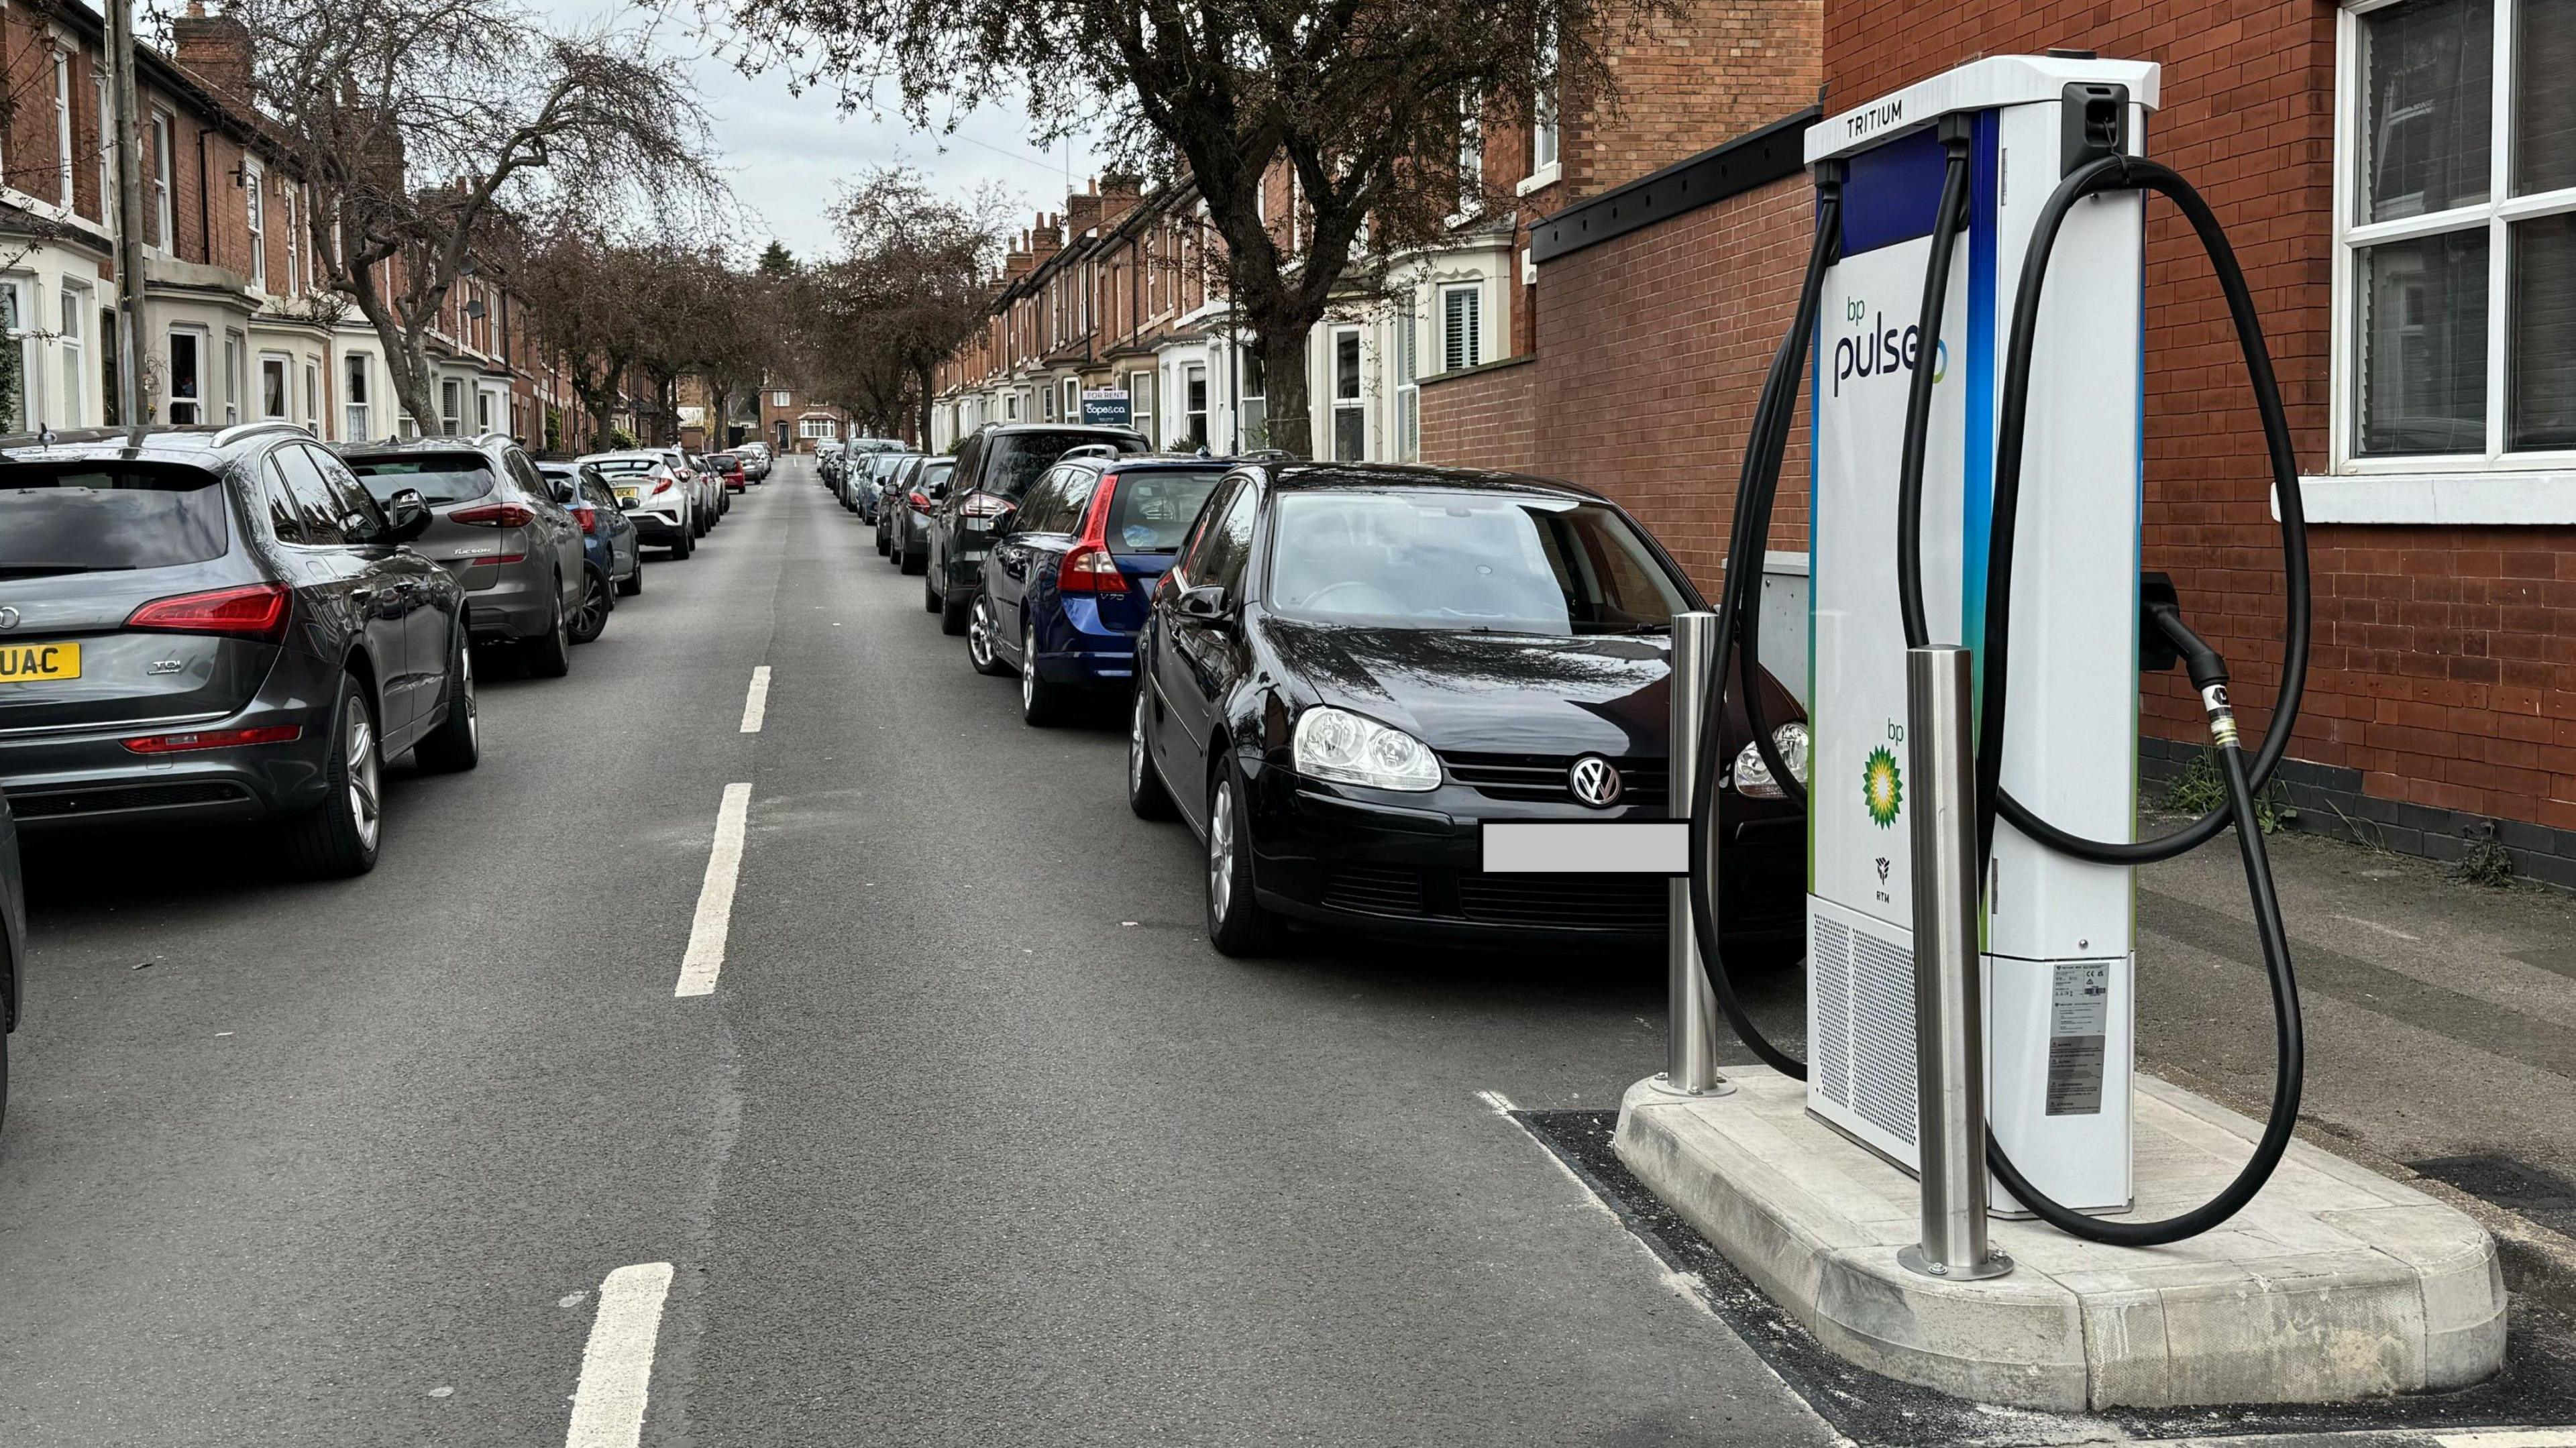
(1613, 722)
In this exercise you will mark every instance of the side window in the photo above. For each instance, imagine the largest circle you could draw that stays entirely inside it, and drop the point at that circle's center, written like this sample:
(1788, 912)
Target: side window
(361, 521)
(596, 492)
(313, 500)
(969, 455)
(1199, 552)
(525, 474)
(285, 519)
(1044, 502)
(1078, 488)
(1229, 543)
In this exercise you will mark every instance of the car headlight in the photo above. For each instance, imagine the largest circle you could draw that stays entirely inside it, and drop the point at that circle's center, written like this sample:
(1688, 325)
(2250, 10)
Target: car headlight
(1753, 776)
(1338, 745)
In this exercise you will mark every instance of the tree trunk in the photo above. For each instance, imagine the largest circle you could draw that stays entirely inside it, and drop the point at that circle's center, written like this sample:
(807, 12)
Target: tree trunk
(1283, 382)
(924, 376)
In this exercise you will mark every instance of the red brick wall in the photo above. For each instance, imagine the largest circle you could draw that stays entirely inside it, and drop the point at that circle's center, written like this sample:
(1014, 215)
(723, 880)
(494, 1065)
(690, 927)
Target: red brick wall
(2444, 662)
(1486, 418)
(1689, 80)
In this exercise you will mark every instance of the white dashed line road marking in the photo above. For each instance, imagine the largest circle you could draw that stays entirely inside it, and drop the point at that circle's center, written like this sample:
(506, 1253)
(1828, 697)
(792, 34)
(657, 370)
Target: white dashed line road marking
(715, 898)
(755, 705)
(2511, 1438)
(617, 1365)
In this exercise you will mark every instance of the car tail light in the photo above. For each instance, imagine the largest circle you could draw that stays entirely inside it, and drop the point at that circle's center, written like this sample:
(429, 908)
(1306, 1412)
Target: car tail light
(919, 502)
(587, 518)
(214, 739)
(985, 505)
(665, 486)
(1089, 567)
(498, 515)
(255, 611)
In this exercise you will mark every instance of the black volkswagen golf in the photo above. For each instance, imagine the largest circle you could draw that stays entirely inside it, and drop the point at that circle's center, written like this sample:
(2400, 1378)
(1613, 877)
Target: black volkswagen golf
(1351, 667)
(204, 624)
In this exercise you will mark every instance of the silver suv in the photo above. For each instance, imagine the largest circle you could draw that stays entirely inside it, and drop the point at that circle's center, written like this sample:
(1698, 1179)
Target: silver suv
(496, 526)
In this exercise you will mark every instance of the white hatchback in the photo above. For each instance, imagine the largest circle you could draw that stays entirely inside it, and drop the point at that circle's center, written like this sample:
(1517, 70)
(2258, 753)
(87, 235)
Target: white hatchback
(663, 504)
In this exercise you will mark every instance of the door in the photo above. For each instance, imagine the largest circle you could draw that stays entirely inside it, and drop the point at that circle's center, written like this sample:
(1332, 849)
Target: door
(553, 533)
(406, 587)
(1016, 554)
(623, 555)
(340, 585)
(1190, 669)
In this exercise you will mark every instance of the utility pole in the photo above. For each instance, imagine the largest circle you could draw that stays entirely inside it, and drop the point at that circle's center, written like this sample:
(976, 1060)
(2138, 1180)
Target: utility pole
(129, 215)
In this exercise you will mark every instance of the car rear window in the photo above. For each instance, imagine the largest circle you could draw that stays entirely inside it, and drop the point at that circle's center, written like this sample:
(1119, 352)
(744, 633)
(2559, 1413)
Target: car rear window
(625, 467)
(1014, 459)
(723, 460)
(1152, 512)
(81, 518)
(440, 478)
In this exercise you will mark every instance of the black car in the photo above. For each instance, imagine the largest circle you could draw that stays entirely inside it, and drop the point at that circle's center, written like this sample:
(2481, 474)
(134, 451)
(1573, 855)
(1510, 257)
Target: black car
(995, 465)
(1351, 667)
(202, 624)
(13, 942)
(908, 513)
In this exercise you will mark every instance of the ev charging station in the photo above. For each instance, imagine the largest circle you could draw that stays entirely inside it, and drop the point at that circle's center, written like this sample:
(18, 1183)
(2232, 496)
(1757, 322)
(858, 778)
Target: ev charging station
(2058, 970)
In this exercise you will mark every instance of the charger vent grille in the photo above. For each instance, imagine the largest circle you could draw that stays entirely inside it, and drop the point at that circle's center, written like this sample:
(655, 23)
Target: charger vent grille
(1831, 962)
(1882, 1027)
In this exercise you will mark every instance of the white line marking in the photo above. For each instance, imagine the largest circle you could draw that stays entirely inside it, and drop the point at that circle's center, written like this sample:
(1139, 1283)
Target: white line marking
(2510, 1438)
(2375, 925)
(755, 705)
(617, 1365)
(1497, 1101)
(715, 898)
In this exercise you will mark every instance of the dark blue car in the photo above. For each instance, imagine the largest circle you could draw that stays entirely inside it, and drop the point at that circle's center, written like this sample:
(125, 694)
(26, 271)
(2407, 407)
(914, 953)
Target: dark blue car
(1072, 568)
(610, 548)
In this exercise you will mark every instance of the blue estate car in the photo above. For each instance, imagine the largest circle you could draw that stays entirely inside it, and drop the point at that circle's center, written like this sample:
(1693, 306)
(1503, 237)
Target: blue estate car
(1072, 569)
(610, 547)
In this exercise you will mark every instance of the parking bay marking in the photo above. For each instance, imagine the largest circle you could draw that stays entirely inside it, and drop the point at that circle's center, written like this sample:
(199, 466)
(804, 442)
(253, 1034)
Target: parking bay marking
(705, 957)
(617, 1363)
(755, 705)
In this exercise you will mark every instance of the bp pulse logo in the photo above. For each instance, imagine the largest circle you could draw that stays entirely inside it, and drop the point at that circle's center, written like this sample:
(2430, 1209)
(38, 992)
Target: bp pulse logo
(1882, 788)
(1878, 349)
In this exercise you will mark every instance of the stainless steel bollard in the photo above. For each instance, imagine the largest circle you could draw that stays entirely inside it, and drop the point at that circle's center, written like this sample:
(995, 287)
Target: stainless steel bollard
(1690, 1056)
(1949, 1006)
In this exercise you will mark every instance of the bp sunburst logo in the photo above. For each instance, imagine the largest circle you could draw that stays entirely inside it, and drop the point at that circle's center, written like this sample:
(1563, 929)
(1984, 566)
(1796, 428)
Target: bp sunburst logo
(1882, 787)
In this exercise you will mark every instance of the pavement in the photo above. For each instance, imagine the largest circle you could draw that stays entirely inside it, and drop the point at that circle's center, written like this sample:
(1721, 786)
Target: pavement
(973, 1139)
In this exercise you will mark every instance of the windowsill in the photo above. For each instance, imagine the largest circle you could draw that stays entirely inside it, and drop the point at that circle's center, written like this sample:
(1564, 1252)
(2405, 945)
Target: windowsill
(1545, 176)
(2494, 499)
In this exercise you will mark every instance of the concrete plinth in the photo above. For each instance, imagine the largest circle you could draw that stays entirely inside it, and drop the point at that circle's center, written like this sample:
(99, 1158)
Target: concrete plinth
(2334, 1284)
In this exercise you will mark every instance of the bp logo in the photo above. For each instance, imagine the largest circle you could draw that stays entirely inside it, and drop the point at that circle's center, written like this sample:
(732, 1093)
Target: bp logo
(1882, 787)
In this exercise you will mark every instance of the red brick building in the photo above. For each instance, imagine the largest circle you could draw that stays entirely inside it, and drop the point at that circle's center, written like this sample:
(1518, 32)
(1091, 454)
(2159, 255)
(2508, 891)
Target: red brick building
(2399, 180)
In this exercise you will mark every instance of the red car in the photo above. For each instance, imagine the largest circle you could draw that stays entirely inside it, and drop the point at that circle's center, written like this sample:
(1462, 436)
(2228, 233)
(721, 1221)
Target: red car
(728, 466)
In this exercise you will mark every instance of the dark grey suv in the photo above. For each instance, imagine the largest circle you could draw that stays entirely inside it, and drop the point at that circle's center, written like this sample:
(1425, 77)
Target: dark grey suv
(497, 527)
(995, 465)
(219, 625)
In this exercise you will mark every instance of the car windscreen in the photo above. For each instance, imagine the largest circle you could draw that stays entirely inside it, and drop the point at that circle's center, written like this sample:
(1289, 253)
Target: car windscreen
(1505, 563)
(882, 466)
(1152, 512)
(440, 478)
(84, 518)
(1016, 458)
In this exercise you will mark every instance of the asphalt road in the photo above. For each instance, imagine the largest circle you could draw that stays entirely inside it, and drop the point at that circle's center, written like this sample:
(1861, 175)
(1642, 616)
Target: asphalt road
(974, 1140)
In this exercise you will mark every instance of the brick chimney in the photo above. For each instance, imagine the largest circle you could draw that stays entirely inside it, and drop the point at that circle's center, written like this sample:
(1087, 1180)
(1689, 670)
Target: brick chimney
(1119, 193)
(1047, 240)
(1081, 213)
(217, 48)
(1018, 263)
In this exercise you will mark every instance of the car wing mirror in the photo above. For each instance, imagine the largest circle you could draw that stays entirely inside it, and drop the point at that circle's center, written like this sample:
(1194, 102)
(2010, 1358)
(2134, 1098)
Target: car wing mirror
(406, 516)
(1206, 603)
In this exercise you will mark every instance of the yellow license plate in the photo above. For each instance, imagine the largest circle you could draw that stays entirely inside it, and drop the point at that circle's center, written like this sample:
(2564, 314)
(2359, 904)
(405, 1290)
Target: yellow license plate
(27, 663)
(627, 495)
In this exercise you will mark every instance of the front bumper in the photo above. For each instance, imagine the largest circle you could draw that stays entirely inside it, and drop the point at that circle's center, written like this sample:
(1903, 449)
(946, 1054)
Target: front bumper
(88, 778)
(1358, 860)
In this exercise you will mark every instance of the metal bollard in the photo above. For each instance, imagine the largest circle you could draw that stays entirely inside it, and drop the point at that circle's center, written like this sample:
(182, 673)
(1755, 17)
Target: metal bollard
(1949, 1008)
(1690, 1055)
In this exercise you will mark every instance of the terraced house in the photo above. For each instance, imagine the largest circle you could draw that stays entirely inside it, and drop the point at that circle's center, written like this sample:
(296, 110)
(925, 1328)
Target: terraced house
(237, 325)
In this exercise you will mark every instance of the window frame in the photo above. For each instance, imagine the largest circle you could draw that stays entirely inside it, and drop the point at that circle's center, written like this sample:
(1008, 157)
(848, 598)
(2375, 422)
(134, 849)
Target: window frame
(2496, 485)
(254, 180)
(285, 366)
(1357, 402)
(63, 139)
(356, 402)
(165, 213)
(200, 344)
(71, 335)
(1408, 381)
(1475, 330)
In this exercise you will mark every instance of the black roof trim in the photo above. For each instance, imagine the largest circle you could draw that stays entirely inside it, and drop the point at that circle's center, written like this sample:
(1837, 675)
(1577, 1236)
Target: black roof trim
(1749, 162)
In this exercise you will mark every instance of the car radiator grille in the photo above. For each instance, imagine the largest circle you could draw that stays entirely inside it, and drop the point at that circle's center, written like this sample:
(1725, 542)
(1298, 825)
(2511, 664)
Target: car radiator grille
(1598, 902)
(1541, 777)
(59, 804)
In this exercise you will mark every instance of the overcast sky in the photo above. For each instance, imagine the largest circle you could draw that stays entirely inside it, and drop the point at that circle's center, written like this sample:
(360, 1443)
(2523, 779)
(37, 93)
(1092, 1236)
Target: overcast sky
(788, 154)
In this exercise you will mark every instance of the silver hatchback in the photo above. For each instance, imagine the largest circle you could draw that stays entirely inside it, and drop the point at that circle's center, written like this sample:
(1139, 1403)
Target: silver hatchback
(496, 526)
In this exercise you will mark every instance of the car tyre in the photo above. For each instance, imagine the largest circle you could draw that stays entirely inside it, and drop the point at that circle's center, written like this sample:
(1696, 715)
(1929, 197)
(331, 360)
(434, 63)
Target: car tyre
(341, 837)
(980, 650)
(456, 745)
(911, 563)
(549, 655)
(953, 607)
(683, 544)
(1237, 924)
(1041, 703)
(633, 583)
(596, 600)
(929, 595)
(1148, 798)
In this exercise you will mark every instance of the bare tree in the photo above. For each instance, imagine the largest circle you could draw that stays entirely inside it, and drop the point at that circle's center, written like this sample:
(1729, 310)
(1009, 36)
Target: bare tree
(577, 285)
(1365, 101)
(911, 287)
(433, 129)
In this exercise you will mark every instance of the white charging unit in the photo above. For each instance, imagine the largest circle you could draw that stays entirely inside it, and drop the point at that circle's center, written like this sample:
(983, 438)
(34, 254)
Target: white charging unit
(2058, 965)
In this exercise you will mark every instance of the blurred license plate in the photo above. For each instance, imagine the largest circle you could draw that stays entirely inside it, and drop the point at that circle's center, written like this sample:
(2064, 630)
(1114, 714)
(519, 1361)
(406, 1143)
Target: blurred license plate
(27, 663)
(976, 525)
(626, 497)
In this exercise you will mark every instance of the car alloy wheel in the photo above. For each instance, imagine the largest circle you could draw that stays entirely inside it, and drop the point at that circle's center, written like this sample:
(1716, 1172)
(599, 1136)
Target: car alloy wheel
(365, 778)
(465, 697)
(1221, 855)
(979, 638)
(1029, 672)
(1137, 763)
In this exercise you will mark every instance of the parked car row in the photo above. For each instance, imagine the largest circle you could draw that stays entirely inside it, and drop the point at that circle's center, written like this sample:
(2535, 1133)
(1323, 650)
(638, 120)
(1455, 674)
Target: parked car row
(241, 625)
(1334, 673)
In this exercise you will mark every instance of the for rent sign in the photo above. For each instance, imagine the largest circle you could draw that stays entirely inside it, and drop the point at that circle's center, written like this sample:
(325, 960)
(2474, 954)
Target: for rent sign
(1106, 407)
